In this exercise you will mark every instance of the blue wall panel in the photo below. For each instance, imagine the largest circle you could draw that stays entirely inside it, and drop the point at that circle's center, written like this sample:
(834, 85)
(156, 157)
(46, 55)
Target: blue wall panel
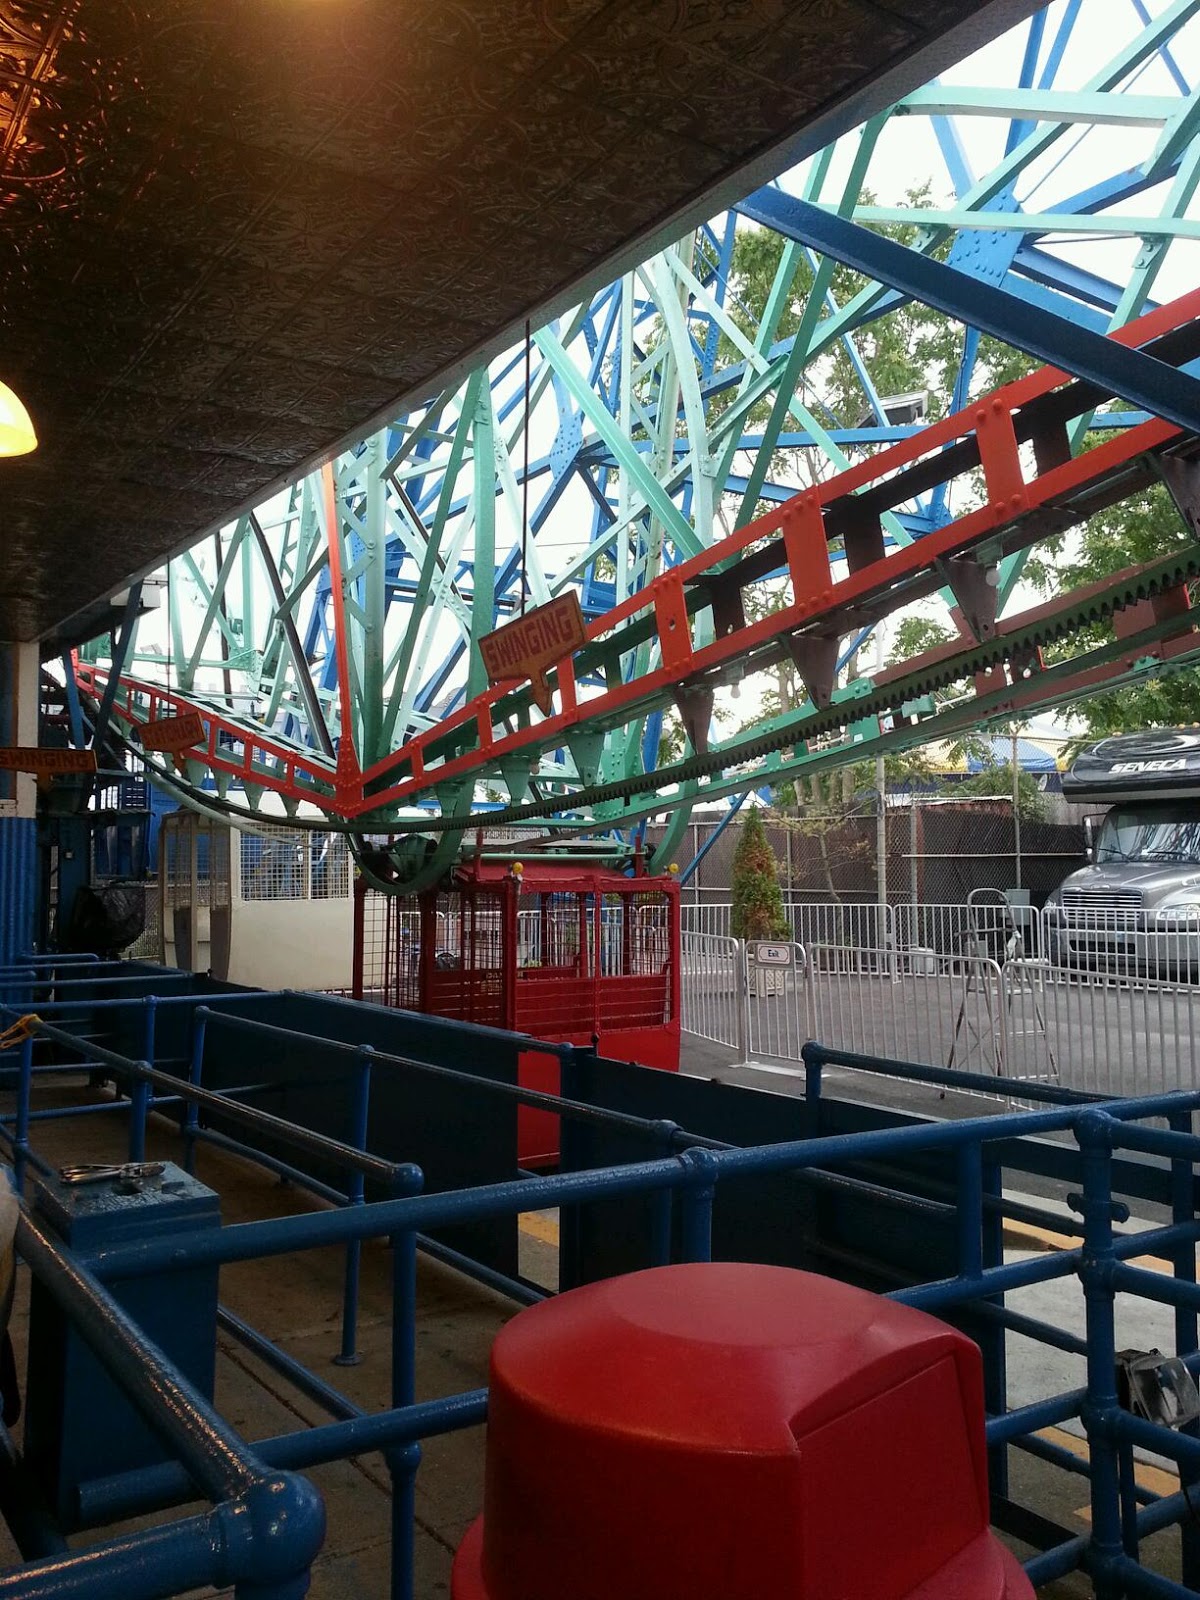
(18, 886)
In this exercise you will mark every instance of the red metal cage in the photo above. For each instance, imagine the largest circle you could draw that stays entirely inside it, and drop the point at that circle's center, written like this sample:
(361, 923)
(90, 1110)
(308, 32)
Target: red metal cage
(565, 952)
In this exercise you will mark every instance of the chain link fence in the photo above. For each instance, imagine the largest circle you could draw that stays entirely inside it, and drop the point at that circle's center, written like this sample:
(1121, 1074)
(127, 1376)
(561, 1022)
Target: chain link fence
(936, 852)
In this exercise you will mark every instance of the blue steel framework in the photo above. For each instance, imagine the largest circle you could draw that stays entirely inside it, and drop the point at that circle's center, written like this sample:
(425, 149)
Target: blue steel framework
(254, 1488)
(340, 618)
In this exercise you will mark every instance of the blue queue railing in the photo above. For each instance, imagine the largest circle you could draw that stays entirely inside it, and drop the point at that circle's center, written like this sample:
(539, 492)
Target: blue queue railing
(687, 1183)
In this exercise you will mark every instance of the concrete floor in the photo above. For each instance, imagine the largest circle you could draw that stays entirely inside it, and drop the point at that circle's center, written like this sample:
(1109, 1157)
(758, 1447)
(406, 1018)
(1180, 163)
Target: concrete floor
(296, 1301)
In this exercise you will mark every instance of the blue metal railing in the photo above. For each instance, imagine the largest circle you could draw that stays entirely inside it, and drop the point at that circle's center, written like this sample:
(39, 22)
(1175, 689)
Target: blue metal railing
(266, 1525)
(687, 1183)
(694, 1177)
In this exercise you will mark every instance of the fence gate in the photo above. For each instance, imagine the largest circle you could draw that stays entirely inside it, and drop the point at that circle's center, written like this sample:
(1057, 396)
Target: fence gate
(712, 997)
(778, 1020)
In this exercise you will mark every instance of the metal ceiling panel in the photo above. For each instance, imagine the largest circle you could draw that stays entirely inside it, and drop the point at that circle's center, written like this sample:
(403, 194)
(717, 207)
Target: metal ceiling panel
(233, 235)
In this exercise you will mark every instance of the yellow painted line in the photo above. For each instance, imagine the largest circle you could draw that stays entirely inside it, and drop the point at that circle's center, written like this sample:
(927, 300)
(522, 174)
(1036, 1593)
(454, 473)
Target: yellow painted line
(1025, 1236)
(1068, 1441)
(1152, 1263)
(537, 1225)
(1149, 1477)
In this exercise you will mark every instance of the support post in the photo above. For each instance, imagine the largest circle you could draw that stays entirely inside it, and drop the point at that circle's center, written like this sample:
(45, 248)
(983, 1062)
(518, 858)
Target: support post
(1016, 804)
(139, 1110)
(24, 1096)
(191, 1116)
(18, 804)
(402, 1463)
(696, 1205)
(992, 1337)
(1101, 1405)
(149, 1023)
(1183, 1211)
(742, 1000)
(809, 1054)
(881, 881)
(348, 1355)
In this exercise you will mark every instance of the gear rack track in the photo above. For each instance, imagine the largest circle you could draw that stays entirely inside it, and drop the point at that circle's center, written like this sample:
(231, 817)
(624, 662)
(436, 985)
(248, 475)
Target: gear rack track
(1015, 439)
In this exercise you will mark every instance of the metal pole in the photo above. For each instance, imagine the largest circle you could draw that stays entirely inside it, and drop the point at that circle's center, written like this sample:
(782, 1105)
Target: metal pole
(1016, 804)
(742, 996)
(913, 871)
(193, 960)
(881, 819)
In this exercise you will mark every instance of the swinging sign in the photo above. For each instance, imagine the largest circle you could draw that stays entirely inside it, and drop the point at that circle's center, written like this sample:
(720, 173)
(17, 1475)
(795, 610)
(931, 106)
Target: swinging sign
(530, 645)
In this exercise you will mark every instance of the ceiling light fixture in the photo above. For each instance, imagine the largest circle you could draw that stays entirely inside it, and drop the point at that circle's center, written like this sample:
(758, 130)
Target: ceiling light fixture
(17, 437)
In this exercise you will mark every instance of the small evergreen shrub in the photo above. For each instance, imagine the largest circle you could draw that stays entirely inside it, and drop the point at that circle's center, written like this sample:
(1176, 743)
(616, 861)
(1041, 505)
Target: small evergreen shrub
(757, 902)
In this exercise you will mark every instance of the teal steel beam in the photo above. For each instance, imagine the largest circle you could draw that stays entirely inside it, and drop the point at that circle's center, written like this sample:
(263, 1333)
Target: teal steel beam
(1093, 107)
(1147, 43)
(373, 579)
(660, 504)
(799, 355)
(429, 564)
(306, 688)
(1177, 137)
(1117, 223)
(1129, 373)
(122, 646)
(483, 599)
(214, 610)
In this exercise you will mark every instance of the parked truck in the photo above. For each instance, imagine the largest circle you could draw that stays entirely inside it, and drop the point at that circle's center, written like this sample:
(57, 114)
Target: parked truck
(1138, 899)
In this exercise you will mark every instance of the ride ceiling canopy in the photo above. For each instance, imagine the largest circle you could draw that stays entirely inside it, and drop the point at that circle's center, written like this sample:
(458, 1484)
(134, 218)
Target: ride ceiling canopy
(233, 236)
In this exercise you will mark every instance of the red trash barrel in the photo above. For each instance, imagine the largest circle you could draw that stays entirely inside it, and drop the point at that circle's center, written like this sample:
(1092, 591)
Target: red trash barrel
(721, 1431)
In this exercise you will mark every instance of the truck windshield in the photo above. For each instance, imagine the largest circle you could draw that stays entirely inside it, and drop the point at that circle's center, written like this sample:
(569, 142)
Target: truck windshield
(1150, 833)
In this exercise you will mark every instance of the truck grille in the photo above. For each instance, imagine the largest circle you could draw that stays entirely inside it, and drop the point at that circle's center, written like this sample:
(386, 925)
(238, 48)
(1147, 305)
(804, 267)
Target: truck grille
(1103, 907)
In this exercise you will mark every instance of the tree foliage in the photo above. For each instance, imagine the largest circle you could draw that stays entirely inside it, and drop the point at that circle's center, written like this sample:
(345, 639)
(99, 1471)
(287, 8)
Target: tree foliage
(996, 781)
(917, 633)
(757, 911)
(915, 348)
(1140, 529)
(910, 348)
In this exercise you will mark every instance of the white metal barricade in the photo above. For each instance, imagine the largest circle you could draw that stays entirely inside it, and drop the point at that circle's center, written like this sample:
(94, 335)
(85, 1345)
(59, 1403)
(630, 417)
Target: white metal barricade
(712, 918)
(1106, 1032)
(934, 1011)
(1100, 1002)
(712, 989)
(778, 1019)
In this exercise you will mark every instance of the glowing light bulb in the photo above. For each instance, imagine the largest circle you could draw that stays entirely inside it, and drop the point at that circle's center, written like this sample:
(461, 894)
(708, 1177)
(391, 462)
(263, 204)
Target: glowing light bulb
(17, 437)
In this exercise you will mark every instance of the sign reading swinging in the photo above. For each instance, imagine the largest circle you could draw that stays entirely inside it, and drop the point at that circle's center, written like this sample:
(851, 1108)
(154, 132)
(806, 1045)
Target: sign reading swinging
(45, 763)
(528, 646)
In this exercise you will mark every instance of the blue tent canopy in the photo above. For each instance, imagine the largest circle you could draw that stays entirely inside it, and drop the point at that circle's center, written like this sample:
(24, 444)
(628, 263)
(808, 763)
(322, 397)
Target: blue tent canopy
(1031, 757)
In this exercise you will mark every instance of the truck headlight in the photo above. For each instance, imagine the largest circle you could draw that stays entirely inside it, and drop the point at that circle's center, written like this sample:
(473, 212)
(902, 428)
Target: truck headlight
(1180, 911)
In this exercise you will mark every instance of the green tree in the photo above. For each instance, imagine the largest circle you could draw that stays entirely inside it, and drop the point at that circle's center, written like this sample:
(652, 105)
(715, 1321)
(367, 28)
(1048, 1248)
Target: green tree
(915, 348)
(757, 902)
(1136, 530)
(996, 781)
(909, 350)
(915, 634)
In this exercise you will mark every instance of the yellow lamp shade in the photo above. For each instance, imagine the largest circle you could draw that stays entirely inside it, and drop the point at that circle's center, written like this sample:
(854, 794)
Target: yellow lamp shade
(17, 437)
